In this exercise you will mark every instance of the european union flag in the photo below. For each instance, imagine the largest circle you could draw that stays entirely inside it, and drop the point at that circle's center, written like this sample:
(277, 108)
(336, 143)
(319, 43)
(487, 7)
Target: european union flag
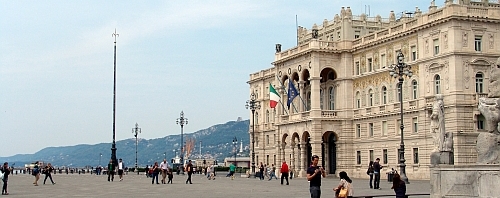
(292, 92)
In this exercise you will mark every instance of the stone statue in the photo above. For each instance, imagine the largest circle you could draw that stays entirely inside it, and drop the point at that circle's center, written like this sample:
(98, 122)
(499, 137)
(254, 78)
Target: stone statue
(437, 123)
(278, 48)
(448, 142)
(488, 144)
(314, 33)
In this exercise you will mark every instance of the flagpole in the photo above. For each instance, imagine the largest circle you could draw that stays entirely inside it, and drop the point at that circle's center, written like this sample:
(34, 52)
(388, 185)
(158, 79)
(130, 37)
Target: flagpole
(286, 93)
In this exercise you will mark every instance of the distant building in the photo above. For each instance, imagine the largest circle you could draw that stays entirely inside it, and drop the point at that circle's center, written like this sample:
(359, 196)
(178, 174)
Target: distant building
(240, 161)
(348, 112)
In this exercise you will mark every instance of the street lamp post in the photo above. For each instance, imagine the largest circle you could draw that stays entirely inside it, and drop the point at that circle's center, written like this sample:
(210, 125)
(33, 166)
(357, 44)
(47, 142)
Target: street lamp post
(182, 121)
(400, 70)
(235, 142)
(113, 145)
(253, 105)
(136, 131)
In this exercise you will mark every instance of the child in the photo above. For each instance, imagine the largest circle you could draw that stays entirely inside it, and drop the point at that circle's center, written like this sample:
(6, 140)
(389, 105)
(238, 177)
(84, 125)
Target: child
(170, 177)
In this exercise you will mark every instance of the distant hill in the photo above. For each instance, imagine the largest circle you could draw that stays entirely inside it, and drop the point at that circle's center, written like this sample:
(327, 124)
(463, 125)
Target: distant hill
(216, 143)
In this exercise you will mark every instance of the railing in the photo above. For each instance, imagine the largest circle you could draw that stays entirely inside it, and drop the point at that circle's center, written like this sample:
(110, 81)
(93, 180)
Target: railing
(408, 195)
(328, 113)
(481, 95)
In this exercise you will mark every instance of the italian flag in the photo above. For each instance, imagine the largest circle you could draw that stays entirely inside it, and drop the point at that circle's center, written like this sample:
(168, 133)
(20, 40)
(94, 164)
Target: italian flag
(274, 98)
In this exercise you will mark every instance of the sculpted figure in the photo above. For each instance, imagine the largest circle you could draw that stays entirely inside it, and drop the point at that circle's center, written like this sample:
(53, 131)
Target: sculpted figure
(437, 123)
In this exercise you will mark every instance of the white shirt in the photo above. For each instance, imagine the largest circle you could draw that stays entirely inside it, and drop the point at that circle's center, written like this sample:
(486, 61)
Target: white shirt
(164, 165)
(120, 165)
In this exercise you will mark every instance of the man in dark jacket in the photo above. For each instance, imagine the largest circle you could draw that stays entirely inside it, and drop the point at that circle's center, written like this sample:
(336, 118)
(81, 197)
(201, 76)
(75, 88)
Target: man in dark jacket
(376, 171)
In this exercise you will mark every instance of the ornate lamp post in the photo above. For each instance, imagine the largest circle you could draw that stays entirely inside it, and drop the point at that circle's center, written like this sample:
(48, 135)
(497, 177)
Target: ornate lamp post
(182, 121)
(253, 105)
(136, 131)
(113, 145)
(235, 142)
(400, 70)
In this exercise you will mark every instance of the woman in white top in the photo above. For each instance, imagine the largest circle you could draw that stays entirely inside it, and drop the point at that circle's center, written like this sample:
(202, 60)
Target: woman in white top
(345, 182)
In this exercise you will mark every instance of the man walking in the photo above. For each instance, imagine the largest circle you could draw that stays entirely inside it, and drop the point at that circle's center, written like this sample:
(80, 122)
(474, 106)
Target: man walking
(284, 172)
(111, 170)
(232, 170)
(189, 170)
(314, 173)
(120, 169)
(272, 172)
(376, 172)
(164, 170)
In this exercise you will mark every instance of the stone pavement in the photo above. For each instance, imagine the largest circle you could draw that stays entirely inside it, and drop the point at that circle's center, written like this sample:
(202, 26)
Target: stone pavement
(133, 185)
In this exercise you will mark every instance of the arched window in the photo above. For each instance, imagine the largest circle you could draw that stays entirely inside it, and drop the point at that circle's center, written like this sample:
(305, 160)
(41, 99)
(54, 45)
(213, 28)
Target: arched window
(358, 100)
(267, 116)
(321, 96)
(437, 84)
(479, 82)
(384, 95)
(370, 97)
(308, 107)
(414, 89)
(331, 98)
(398, 85)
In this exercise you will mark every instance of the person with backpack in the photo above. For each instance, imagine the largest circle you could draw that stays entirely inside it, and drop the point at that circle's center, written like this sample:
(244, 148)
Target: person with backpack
(370, 173)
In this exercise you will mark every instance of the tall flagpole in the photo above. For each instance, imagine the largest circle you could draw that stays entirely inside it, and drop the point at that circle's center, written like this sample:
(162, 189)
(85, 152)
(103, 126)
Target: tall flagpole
(113, 146)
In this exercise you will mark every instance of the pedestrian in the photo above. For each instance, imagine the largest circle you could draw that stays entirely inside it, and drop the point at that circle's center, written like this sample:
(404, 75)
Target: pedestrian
(370, 173)
(399, 186)
(189, 170)
(164, 170)
(345, 183)
(272, 172)
(284, 172)
(48, 173)
(232, 170)
(120, 169)
(5, 171)
(156, 170)
(291, 173)
(211, 172)
(261, 171)
(36, 173)
(170, 176)
(111, 170)
(314, 174)
(376, 172)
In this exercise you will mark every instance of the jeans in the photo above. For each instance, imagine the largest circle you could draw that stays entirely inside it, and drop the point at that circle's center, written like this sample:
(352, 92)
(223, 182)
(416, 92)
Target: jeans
(272, 175)
(376, 183)
(49, 176)
(155, 175)
(261, 175)
(189, 178)
(371, 180)
(4, 188)
(315, 191)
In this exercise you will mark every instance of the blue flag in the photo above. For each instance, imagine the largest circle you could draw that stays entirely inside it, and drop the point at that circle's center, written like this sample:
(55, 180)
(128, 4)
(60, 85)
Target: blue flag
(292, 92)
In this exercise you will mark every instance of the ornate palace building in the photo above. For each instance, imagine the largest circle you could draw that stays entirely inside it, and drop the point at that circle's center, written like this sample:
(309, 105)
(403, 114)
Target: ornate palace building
(348, 109)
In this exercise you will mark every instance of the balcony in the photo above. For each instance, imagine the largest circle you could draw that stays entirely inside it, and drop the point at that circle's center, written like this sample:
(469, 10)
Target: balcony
(481, 95)
(328, 113)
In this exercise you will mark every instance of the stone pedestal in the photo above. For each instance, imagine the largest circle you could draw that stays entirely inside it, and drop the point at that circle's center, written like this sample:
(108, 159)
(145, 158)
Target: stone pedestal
(459, 181)
(442, 157)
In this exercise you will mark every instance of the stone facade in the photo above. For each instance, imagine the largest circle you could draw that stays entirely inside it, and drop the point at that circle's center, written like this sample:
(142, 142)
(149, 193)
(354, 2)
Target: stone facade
(348, 111)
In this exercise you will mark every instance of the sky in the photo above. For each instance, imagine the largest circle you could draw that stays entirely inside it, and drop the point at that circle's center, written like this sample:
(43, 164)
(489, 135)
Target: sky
(56, 63)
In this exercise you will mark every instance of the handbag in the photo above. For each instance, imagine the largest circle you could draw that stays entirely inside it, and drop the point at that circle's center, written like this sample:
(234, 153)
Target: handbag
(343, 192)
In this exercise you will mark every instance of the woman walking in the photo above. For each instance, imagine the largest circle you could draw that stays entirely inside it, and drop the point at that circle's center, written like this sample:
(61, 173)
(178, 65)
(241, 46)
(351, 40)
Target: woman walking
(345, 183)
(156, 170)
(36, 173)
(399, 186)
(6, 171)
(48, 173)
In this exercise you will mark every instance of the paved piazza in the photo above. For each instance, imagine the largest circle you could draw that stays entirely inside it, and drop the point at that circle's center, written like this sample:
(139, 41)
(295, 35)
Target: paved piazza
(86, 185)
